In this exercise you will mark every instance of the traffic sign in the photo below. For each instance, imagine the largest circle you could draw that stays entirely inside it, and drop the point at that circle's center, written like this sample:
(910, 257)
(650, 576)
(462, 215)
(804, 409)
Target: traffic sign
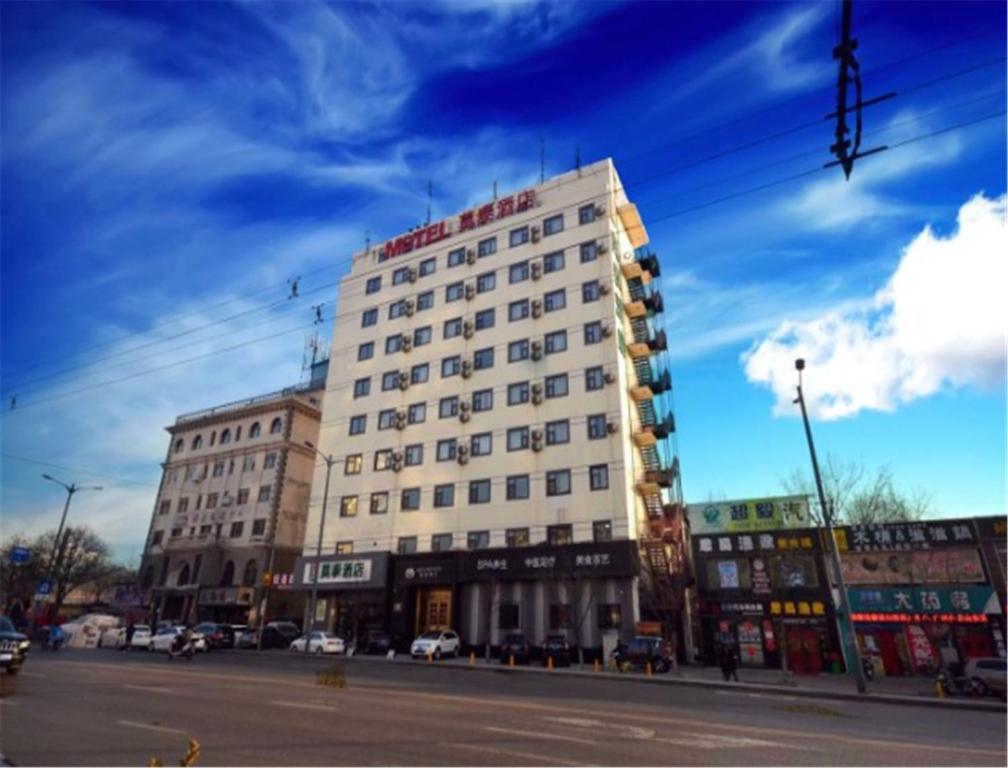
(20, 555)
(44, 588)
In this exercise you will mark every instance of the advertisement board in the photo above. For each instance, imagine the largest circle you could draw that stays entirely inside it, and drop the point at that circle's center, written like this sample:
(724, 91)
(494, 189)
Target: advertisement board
(748, 515)
(939, 566)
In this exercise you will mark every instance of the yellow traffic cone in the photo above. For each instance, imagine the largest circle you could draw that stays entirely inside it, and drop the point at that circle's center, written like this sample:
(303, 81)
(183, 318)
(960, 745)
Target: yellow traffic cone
(549, 663)
(511, 660)
(472, 658)
(647, 670)
(596, 665)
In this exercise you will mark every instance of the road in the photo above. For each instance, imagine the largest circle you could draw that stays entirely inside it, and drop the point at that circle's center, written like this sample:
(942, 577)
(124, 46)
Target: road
(108, 708)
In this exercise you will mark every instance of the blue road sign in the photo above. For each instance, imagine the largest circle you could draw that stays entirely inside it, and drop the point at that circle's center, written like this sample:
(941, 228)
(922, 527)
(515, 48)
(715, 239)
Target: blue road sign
(44, 588)
(20, 555)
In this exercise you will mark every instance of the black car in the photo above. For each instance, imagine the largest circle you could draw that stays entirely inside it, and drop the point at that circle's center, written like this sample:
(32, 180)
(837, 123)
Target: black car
(644, 650)
(557, 648)
(217, 635)
(516, 645)
(13, 647)
(374, 641)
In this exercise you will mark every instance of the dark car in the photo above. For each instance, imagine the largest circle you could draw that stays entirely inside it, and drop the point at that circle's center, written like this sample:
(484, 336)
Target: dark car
(13, 647)
(516, 645)
(374, 641)
(643, 650)
(279, 634)
(217, 635)
(557, 648)
(231, 634)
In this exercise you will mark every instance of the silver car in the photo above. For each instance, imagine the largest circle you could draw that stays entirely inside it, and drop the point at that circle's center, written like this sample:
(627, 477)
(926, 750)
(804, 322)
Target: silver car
(988, 675)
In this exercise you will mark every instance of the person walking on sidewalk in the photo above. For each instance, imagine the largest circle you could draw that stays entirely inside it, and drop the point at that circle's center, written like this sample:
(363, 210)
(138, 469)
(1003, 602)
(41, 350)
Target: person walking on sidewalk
(729, 662)
(130, 631)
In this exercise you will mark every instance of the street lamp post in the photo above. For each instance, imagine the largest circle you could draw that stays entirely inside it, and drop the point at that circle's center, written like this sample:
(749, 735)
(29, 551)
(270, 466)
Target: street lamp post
(846, 637)
(329, 461)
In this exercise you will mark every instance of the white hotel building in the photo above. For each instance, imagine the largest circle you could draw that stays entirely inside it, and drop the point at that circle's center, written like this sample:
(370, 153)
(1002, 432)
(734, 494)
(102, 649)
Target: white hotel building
(501, 416)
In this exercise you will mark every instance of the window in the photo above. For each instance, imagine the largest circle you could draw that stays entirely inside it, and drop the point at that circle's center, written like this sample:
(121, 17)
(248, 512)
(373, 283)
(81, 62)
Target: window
(594, 378)
(482, 400)
(422, 336)
(353, 464)
(393, 344)
(365, 351)
(419, 373)
(610, 615)
(416, 413)
(518, 393)
(557, 432)
(507, 616)
(156, 539)
(519, 272)
(382, 459)
(598, 477)
(556, 386)
(590, 291)
(518, 310)
(555, 342)
(446, 449)
(560, 616)
(456, 257)
(481, 444)
(362, 387)
(344, 547)
(553, 262)
(448, 407)
(516, 537)
(486, 282)
(553, 225)
(348, 506)
(379, 503)
(558, 482)
(483, 358)
(373, 285)
(559, 535)
(596, 426)
(197, 442)
(555, 300)
(179, 445)
(410, 499)
(478, 539)
(593, 332)
(518, 439)
(517, 487)
(479, 491)
(444, 495)
(440, 542)
(248, 463)
(225, 436)
(264, 492)
(518, 350)
(602, 530)
(484, 319)
(164, 508)
(589, 252)
(386, 418)
(243, 494)
(358, 424)
(406, 545)
(451, 366)
(425, 301)
(454, 292)
(518, 237)
(370, 317)
(453, 328)
(487, 247)
(389, 380)
(586, 214)
(414, 455)
(400, 275)
(427, 267)
(218, 469)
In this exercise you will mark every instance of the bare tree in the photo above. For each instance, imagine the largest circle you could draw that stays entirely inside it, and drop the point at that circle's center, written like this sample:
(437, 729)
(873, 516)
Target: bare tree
(82, 557)
(18, 581)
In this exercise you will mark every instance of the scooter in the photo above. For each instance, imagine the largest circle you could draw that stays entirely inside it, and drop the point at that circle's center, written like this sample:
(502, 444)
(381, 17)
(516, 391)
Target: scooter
(957, 685)
(181, 647)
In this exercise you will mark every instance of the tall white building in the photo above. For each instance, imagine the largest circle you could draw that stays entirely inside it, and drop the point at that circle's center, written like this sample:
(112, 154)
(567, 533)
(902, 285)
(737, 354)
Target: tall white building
(497, 404)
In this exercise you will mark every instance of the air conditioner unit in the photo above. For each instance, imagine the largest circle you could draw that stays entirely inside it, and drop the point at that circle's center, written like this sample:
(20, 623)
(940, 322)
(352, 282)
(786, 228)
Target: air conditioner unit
(404, 382)
(400, 420)
(471, 256)
(535, 233)
(537, 307)
(467, 329)
(602, 247)
(537, 351)
(536, 269)
(537, 434)
(603, 289)
(537, 398)
(612, 427)
(462, 458)
(464, 405)
(412, 275)
(407, 342)
(463, 450)
(464, 416)
(409, 307)
(606, 330)
(609, 377)
(466, 369)
(470, 292)
(537, 388)
(600, 210)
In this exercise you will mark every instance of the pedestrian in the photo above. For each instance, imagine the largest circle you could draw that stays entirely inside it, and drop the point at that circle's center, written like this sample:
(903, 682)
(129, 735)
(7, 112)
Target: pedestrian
(728, 663)
(130, 630)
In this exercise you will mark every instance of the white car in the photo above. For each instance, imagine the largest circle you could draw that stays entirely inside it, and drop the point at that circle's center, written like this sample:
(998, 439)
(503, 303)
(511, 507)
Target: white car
(162, 641)
(436, 644)
(141, 637)
(320, 642)
(113, 637)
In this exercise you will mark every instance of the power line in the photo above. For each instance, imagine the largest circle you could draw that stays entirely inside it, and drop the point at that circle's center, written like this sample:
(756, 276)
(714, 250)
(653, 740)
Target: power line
(74, 470)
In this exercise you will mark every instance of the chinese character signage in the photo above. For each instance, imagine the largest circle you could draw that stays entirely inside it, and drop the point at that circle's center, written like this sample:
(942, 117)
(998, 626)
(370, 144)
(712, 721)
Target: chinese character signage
(760, 577)
(616, 558)
(958, 599)
(798, 539)
(889, 537)
(344, 571)
(945, 566)
(749, 515)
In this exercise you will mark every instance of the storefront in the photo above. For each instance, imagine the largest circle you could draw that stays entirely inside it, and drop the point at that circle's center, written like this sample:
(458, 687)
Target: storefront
(229, 605)
(423, 596)
(351, 590)
(993, 533)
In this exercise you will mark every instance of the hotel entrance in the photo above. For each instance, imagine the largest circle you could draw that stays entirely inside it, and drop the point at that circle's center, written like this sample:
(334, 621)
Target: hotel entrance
(433, 609)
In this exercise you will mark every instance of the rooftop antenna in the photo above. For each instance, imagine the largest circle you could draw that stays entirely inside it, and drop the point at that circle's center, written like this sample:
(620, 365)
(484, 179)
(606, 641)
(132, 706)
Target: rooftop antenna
(430, 194)
(495, 189)
(311, 352)
(367, 241)
(542, 160)
(577, 159)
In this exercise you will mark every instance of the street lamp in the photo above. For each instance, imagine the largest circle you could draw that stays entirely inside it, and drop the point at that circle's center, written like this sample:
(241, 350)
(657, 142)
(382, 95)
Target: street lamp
(846, 636)
(329, 461)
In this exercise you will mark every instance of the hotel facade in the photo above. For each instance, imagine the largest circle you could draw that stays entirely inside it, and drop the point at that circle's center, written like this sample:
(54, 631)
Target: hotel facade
(499, 408)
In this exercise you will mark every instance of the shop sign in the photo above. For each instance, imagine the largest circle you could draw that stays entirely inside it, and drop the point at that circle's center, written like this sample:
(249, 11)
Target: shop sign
(225, 596)
(749, 515)
(425, 571)
(888, 537)
(925, 600)
(775, 541)
(760, 577)
(992, 527)
(344, 571)
(603, 559)
(501, 208)
(337, 571)
(797, 608)
(747, 608)
(945, 566)
(919, 618)
(728, 574)
(921, 650)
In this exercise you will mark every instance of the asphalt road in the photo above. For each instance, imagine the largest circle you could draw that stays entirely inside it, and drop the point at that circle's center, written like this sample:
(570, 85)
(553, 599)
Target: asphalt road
(110, 708)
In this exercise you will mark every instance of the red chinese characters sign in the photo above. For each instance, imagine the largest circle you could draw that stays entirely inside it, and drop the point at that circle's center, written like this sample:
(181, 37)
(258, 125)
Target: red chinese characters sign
(478, 217)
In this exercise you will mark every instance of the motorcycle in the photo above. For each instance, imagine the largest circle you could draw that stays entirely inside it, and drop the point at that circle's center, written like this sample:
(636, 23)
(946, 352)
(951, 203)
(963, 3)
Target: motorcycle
(181, 647)
(957, 685)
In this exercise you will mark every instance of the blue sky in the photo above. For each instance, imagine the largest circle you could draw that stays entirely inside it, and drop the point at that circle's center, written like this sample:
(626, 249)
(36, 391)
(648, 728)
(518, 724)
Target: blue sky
(164, 169)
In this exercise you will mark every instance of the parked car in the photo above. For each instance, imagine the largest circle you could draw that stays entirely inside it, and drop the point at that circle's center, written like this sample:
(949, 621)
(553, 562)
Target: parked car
(436, 644)
(274, 638)
(141, 637)
(320, 642)
(516, 645)
(235, 630)
(112, 637)
(13, 647)
(162, 641)
(374, 641)
(557, 648)
(217, 635)
(247, 638)
(989, 676)
(646, 649)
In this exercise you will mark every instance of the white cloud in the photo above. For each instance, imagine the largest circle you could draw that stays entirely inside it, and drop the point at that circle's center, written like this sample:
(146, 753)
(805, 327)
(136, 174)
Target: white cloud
(938, 323)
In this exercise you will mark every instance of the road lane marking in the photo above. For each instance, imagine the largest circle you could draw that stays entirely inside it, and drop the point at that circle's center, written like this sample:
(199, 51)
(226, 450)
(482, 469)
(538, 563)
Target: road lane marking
(302, 705)
(633, 731)
(757, 695)
(711, 741)
(149, 688)
(8, 703)
(39, 675)
(149, 727)
(537, 734)
(535, 758)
